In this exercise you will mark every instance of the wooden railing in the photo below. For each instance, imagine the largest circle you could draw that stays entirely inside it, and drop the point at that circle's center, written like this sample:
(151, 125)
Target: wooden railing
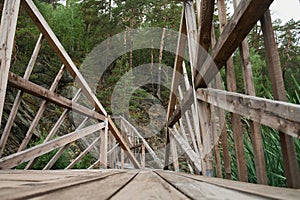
(206, 106)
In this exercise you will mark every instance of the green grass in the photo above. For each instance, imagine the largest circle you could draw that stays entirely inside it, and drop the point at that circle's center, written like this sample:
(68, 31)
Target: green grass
(271, 145)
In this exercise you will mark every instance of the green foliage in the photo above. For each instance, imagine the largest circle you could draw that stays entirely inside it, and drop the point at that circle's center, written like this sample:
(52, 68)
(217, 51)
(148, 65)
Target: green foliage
(85, 162)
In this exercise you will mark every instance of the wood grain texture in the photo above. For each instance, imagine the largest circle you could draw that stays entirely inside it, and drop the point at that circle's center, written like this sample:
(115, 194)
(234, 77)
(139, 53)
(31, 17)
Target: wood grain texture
(18, 98)
(129, 184)
(148, 185)
(202, 190)
(182, 40)
(291, 168)
(53, 41)
(275, 114)
(9, 18)
(40, 112)
(246, 15)
(249, 188)
(36, 90)
(28, 154)
(192, 156)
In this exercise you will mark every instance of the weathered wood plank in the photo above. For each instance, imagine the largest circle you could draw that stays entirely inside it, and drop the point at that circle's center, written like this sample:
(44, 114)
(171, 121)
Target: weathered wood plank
(275, 114)
(246, 15)
(291, 168)
(193, 157)
(36, 90)
(249, 188)
(62, 182)
(102, 188)
(202, 190)
(53, 41)
(9, 18)
(148, 184)
(23, 156)
(40, 112)
(18, 98)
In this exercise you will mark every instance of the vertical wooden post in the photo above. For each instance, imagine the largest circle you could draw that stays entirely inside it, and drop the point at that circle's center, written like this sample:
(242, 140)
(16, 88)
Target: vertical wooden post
(235, 118)
(112, 143)
(122, 158)
(257, 142)
(222, 121)
(143, 156)
(7, 34)
(174, 153)
(291, 168)
(103, 147)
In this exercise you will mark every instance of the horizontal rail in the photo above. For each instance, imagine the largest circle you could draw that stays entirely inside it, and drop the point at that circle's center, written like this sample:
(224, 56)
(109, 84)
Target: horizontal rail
(28, 154)
(279, 115)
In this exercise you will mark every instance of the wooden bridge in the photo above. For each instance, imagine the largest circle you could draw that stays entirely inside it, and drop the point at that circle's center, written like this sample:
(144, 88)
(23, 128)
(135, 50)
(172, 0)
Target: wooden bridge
(196, 114)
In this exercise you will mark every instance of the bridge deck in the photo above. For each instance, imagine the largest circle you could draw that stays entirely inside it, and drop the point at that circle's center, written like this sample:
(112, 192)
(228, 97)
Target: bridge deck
(129, 184)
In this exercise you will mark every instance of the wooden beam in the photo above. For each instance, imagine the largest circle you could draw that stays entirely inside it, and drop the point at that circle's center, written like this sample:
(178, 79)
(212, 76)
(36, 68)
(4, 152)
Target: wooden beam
(9, 18)
(174, 153)
(185, 105)
(143, 161)
(246, 15)
(205, 24)
(60, 151)
(235, 118)
(54, 129)
(18, 98)
(150, 150)
(36, 90)
(192, 35)
(193, 157)
(189, 125)
(55, 157)
(53, 41)
(94, 164)
(279, 115)
(181, 44)
(291, 168)
(204, 31)
(28, 154)
(82, 154)
(103, 147)
(257, 141)
(222, 122)
(40, 112)
(122, 142)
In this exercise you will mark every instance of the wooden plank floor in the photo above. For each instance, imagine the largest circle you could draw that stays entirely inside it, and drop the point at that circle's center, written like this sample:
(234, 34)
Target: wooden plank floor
(129, 184)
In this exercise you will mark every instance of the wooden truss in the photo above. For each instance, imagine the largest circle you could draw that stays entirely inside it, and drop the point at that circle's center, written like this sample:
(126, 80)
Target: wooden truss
(206, 106)
(104, 124)
(195, 118)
